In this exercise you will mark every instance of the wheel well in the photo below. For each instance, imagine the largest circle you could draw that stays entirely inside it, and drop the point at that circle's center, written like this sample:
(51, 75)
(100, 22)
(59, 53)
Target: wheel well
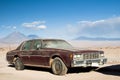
(16, 56)
(53, 57)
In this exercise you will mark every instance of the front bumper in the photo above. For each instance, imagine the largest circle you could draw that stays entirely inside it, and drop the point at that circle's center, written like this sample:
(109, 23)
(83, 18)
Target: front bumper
(88, 62)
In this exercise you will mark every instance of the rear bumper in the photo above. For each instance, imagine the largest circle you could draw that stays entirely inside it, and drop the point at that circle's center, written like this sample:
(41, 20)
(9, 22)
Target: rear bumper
(88, 62)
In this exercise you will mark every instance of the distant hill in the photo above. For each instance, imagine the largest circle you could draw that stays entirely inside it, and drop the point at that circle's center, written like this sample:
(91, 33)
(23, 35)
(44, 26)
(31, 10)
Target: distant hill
(97, 39)
(16, 37)
(32, 36)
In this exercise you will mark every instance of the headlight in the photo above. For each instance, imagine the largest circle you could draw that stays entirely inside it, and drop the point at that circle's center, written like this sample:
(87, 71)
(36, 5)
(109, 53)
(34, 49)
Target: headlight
(75, 56)
(78, 57)
(101, 54)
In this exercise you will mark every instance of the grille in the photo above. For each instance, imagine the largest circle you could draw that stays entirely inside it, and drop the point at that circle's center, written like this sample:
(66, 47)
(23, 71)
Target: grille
(90, 56)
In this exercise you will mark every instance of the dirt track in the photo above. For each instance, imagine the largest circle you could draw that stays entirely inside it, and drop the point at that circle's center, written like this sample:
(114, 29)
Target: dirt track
(106, 72)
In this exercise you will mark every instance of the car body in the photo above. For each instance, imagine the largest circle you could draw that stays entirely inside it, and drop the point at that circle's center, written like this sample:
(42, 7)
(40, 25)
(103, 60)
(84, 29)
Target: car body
(53, 53)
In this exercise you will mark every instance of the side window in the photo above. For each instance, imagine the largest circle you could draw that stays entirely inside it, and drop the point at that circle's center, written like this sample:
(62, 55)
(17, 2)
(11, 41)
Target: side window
(37, 45)
(27, 45)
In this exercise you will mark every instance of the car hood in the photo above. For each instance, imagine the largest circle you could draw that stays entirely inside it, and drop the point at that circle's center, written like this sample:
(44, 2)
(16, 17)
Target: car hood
(83, 50)
(77, 51)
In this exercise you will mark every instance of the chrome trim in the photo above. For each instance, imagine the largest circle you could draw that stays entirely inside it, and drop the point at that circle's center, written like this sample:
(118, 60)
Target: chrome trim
(88, 62)
(93, 55)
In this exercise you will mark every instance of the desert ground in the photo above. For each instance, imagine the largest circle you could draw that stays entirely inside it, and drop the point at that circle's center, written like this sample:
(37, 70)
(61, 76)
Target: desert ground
(109, 71)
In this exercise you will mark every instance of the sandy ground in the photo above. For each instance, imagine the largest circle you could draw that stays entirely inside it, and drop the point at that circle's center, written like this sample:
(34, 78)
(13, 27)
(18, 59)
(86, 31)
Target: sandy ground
(110, 71)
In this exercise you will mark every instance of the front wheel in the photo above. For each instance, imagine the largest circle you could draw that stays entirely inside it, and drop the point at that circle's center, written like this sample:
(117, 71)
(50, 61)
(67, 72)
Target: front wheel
(18, 64)
(58, 67)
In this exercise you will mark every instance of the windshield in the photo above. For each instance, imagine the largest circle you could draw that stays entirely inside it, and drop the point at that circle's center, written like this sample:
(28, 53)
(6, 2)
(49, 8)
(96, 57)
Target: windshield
(59, 44)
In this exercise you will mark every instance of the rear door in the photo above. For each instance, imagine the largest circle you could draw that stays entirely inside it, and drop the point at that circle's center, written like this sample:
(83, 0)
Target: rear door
(26, 52)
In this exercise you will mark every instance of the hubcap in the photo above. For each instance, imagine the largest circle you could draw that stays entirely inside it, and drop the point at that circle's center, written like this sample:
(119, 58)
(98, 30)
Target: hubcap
(58, 66)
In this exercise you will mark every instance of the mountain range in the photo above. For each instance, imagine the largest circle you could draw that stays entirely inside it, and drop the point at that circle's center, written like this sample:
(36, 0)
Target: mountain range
(18, 37)
(97, 38)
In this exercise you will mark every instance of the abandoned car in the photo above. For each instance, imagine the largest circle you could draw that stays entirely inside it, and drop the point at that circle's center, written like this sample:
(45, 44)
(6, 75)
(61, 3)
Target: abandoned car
(56, 54)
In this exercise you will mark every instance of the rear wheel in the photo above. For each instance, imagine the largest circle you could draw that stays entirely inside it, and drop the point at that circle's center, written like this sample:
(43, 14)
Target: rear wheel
(58, 67)
(18, 64)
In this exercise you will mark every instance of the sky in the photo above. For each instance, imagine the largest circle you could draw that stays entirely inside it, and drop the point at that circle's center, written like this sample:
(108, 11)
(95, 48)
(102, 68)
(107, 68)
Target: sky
(66, 19)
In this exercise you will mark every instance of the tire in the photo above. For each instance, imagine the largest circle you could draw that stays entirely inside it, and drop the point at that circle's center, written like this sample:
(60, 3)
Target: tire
(58, 67)
(18, 64)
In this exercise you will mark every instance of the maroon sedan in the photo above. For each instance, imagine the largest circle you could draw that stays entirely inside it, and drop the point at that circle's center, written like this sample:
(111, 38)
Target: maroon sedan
(53, 53)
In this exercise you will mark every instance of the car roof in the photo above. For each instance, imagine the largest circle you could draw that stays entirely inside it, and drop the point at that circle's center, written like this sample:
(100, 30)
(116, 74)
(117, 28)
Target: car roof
(44, 39)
